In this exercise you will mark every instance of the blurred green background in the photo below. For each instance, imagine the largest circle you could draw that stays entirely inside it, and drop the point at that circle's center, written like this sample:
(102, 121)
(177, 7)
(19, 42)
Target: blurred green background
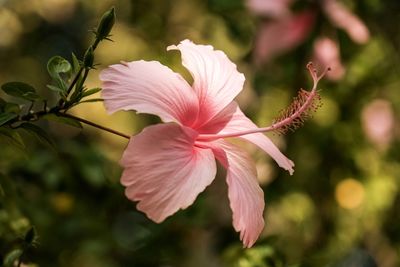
(340, 208)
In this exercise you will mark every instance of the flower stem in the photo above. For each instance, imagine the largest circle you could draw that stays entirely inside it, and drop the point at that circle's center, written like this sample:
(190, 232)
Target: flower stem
(35, 116)
(81, 68)
(78, 74)
(94, 125)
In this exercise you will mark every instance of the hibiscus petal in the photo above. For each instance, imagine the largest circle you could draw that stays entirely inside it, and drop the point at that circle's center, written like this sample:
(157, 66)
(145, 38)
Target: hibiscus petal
(278, 37)
(232, 119)
(245, 195)
(149, 87)
(164, 171)
(216, 79)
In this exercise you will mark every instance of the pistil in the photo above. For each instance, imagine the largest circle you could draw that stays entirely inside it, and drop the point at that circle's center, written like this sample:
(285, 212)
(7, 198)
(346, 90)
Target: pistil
(291, 118)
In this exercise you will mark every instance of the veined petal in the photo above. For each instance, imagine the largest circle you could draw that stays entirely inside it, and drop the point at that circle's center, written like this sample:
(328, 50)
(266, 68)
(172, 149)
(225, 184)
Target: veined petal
(232, 119)
(216, 79)
(149, 87)
(164, 171)
(245, 195)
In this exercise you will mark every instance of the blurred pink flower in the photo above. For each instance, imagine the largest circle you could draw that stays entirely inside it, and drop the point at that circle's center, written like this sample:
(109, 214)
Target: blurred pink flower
(279, 36)
(342, 18)
(286, 31)
(167, 165)
(272, 8)
(378, 122)
(326, 53)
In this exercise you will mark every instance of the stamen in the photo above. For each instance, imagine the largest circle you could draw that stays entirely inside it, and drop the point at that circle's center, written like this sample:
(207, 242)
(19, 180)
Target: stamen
(291, 118)
(314, 73)
(301, 108)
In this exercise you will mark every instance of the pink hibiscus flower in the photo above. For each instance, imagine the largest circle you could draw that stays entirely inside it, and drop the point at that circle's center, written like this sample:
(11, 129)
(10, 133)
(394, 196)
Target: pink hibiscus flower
(167, 165)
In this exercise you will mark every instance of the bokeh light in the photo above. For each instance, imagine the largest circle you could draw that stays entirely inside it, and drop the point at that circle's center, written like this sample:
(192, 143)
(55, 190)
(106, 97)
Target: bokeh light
(349, 193)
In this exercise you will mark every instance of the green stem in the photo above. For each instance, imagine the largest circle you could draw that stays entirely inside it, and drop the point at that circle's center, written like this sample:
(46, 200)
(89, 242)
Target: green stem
(85, 74)
(71, 86)
(76, 78)
(95, 43)
(66, 115)
(59, 112)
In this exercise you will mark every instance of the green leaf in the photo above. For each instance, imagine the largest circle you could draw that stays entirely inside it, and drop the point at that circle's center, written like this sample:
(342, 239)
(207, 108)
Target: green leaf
(2, 103)
(55, 88)
(12, 257)
(90, 92)
(57, 65)
(6, 117)
(68, 121)
(12, 137)
(38, 132)
(75, 63)
(12, 108)
(20, 90)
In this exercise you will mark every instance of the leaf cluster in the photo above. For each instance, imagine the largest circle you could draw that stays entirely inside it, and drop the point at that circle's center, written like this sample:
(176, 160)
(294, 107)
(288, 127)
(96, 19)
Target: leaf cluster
(67, 83)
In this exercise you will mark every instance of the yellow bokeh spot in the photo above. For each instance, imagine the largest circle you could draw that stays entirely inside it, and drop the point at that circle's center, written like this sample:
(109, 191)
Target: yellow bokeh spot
(349, 193)
(328, 114)
(55, 11)
(62, 202)
(10, 27)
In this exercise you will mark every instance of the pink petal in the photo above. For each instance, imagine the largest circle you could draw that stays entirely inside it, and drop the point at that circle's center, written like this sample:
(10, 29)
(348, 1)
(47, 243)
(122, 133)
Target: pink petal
(273, 8)
(164, 171)
(216, 79)
(344, 19)
(327, 54)
(278, 37)
(149, 87)
(245, 195)
(232, 119)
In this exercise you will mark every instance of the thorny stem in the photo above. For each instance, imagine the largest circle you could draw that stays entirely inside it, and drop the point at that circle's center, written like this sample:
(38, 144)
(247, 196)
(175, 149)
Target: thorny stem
(282, 123)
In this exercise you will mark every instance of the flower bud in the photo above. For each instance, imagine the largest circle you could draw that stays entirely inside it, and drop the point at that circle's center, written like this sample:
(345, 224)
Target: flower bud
(106, 23)
(88, 58)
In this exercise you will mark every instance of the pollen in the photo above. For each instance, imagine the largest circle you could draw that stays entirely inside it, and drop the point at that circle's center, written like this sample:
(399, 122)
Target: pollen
(302, 106)
(308, 101)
